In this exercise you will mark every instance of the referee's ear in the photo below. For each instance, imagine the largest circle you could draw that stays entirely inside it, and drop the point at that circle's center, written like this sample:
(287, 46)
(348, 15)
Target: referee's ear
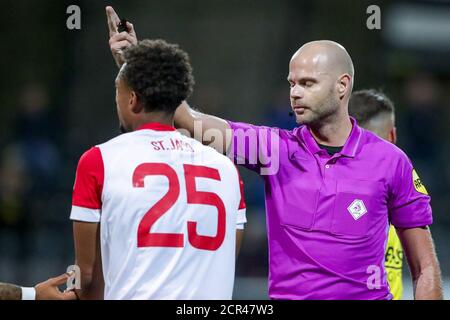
(135, 105)
(344, 86)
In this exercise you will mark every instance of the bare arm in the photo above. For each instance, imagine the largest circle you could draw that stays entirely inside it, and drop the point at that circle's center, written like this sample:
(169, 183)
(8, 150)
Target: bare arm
(10, 292)
(239, 237)
(88, 258)
(208, 129)
(425, 272)
(47, 290)
(119, 41)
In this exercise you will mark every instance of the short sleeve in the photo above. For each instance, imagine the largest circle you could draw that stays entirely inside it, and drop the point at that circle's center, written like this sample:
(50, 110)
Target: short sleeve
(253, 146)
(409, 202)
(88, 188)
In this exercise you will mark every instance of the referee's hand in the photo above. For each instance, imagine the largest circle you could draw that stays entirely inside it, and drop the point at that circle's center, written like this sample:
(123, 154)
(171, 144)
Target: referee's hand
(49, 290)
(119, 41)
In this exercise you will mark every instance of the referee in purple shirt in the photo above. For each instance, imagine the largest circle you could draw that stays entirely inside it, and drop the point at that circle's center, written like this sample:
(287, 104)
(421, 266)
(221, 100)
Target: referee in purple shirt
(332, 188)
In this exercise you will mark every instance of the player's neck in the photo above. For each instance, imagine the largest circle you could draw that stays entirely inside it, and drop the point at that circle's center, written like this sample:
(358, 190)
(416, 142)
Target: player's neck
(153, 117)
(332, 133)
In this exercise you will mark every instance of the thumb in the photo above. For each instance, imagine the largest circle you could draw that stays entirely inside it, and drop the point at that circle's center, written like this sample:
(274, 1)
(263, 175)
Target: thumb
(60, 280)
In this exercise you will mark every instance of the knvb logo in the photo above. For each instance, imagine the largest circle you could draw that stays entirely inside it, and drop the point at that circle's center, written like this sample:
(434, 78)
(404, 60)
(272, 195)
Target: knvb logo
(357, 209)
(74, 20)
(74, 282)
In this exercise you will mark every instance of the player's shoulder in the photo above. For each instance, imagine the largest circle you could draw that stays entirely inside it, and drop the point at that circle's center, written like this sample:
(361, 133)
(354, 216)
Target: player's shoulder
(123, 138)
(261, 129)
(96, 153)
(209, 154)
(125, 141)
(379, 147)
(91, 159)
(90, 153)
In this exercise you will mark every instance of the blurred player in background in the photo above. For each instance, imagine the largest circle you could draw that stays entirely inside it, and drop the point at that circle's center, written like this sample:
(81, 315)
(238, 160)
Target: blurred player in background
(156, 213)
(47, 290)
(375, 112)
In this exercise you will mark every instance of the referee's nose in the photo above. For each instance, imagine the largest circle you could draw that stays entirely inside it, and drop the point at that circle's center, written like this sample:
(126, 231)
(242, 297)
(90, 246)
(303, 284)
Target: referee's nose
(297, 92)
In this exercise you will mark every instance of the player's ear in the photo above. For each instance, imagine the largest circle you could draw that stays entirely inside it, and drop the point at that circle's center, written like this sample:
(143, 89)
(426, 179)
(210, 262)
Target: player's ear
(134, 104)
(393, 135)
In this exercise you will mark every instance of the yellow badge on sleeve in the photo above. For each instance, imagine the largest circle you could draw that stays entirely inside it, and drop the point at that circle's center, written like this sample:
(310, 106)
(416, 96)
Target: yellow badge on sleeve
(418, 184)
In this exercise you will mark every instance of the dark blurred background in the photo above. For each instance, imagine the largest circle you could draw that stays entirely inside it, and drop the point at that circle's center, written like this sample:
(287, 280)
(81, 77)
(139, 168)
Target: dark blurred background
(57, 100)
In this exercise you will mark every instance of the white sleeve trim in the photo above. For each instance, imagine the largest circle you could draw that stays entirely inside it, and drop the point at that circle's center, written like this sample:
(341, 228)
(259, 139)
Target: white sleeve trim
(85, 215)
(240, 226)
(241, 219)
(28, 293)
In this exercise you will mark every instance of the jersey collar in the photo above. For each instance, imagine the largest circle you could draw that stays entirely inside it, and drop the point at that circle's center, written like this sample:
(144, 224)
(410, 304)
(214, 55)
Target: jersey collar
(349, 149)
(156, 126)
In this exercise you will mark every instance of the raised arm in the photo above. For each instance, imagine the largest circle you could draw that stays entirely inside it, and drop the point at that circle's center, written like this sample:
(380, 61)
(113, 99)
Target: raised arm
(208, 129)
(425, 272)
(119, 41)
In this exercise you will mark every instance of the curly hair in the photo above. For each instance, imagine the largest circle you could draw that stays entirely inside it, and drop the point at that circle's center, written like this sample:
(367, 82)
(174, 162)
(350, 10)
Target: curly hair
(159, 73)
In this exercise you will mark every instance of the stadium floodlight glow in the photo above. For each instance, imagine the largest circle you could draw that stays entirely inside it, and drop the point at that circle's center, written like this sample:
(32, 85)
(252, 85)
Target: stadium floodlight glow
(418, 27)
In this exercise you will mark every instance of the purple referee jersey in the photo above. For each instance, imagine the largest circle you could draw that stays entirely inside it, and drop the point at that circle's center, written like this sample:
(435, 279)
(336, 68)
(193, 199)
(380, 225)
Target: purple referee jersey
(328, 216)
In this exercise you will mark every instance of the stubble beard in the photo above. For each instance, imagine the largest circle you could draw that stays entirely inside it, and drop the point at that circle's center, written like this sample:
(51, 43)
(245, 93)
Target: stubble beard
(319, 115)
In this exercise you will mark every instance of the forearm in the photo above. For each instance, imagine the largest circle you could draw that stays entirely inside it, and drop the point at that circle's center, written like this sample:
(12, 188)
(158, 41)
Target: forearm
(423, 263)
(10, 292)
(88, 259)
(91, 282)
(239, 237)
(210, 130)
(186, 118)
(92, 286)
(428, 284)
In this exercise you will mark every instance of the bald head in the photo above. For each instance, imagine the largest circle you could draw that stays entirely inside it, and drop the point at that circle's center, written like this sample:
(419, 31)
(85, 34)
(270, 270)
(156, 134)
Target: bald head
(321, 79)
(328, 57)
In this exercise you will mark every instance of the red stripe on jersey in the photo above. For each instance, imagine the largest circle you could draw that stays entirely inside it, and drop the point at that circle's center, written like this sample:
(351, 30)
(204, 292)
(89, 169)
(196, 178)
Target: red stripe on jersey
(156, 127)
(242, 204)
(87, 192)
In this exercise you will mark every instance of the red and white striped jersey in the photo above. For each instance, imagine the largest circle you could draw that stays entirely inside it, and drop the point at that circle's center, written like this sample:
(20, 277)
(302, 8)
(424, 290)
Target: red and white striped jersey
(168, 209)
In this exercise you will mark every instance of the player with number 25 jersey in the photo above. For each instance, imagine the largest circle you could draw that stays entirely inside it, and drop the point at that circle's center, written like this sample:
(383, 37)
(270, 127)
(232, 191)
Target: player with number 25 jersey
(167, 208)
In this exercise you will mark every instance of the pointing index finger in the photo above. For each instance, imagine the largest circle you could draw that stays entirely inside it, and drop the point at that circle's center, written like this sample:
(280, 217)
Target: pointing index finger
(62, 279)
(113, 20)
